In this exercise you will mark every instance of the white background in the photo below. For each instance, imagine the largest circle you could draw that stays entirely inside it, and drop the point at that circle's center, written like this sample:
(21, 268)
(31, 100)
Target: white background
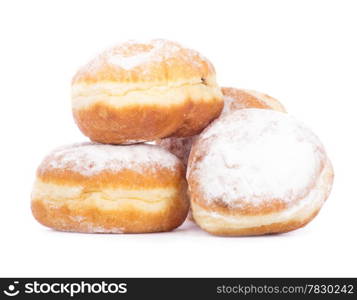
(301, 52)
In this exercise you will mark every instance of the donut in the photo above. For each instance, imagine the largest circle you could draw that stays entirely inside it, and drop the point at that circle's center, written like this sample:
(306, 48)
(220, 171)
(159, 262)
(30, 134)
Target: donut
(242, 98)
(256, 172)
(180, 147)
(142, 91)
(96, 188)
(233, 99)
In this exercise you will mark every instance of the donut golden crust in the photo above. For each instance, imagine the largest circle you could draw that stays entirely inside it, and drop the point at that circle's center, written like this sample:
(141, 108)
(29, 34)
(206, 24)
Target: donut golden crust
(233, 99)
(264, 173)
(138, 92)
(110, 189)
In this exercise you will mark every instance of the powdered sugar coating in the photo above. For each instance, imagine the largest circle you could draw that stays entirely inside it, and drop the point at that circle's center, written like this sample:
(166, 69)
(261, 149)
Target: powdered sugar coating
(147, 56)
(130, 62)
(253, 156)
(92, 158)
(134, 53)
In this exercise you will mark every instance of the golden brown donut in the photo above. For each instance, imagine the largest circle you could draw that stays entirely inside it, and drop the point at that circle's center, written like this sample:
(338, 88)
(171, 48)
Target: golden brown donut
(257, 171)
(98, 188)
(242, 98)
(233, 99)
(142, 91)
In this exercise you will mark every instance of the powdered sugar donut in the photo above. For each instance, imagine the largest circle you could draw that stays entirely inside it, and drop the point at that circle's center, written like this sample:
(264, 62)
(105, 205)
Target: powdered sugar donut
(142, 91)
(257, 171)
(110, 189)
(233, 99)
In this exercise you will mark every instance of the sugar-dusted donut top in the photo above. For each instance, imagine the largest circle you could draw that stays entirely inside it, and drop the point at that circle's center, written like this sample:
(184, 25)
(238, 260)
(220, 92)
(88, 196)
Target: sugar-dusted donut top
(254, 155)
(91, 158)
(155, 60)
